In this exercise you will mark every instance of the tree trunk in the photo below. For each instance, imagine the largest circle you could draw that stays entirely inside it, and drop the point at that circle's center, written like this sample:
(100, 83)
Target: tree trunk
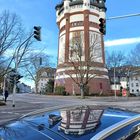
(82, 91)
(36, 88)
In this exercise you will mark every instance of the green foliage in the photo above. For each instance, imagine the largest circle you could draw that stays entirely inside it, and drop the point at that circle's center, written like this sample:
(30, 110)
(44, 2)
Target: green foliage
(60, 90)
(50, 86)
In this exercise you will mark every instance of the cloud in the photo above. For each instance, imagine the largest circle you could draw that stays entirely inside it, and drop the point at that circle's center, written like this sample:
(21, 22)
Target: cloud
(9, 52)
(123, 41)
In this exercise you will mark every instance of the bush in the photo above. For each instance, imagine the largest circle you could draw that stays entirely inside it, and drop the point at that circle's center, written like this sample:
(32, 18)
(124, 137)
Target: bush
(2, 103)
(60, 90)
(49, 86)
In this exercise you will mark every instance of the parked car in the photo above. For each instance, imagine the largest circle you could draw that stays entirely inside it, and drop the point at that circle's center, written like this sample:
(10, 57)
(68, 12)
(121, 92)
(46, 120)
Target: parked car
(134, 94)
(73, 123)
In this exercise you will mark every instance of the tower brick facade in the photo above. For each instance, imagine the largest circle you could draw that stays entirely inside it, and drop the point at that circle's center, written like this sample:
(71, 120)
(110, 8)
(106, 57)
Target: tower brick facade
(79, 19)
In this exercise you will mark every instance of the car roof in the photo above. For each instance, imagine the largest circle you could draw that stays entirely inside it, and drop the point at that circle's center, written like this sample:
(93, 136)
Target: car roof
(78, 122)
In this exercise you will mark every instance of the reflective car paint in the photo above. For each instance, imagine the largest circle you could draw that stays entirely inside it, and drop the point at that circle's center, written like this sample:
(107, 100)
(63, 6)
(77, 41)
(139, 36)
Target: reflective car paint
(37, 127)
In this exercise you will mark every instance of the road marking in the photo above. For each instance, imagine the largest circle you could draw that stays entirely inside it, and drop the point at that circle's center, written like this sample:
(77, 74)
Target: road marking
(4, 112)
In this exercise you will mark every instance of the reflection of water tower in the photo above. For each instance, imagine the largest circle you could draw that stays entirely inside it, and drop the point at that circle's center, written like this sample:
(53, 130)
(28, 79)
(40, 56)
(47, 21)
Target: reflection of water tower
(81, 18)
(80, 120)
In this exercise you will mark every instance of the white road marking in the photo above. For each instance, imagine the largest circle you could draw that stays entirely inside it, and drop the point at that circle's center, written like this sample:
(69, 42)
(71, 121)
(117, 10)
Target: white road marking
(6, 112)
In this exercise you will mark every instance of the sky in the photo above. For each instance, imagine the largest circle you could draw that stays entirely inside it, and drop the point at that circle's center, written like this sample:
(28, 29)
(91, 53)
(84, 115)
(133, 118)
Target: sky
(121, 34)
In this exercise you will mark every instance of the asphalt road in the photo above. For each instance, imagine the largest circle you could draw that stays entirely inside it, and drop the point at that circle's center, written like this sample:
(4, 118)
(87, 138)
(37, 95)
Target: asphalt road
(25, 103)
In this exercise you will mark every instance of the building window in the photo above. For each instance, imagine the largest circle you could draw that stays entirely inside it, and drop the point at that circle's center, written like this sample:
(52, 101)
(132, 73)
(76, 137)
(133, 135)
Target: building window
(132, 90)
(137, 84)
(137, 90)
(132, 85)
(78, 23)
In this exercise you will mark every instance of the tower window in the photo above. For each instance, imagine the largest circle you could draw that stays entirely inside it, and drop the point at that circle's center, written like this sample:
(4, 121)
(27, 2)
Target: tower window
(101, 86)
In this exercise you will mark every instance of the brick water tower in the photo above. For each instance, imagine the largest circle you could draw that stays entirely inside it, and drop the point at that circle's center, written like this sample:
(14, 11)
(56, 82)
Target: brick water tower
(79, 27)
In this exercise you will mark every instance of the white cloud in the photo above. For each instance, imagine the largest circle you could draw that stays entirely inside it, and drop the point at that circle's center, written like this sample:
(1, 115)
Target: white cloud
(123, 41)
(9, 52)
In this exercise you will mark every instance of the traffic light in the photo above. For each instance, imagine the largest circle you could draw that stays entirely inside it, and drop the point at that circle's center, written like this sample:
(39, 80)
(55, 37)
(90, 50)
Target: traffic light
(37, 33)
(14, 77)
(121, 88)
(11, 79)
(18, 77)
(102, 26)
(40, 61)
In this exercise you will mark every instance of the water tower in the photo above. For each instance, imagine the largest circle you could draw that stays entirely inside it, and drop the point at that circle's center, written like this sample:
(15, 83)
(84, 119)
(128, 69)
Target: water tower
(80, 19)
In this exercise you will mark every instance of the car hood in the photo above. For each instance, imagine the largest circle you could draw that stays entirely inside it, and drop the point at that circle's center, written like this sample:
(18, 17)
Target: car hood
(71, 123)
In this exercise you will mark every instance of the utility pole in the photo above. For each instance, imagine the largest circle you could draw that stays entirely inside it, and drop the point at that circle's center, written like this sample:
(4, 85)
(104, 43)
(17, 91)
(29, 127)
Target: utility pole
(115, 82)
(4, 84)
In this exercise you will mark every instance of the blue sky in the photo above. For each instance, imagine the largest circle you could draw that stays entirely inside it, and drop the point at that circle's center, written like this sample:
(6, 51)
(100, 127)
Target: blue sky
(122, 34)
(123, 28)
(42, 12)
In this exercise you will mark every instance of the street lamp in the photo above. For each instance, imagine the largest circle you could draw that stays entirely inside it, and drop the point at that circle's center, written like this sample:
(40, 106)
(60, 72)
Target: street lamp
(115, 82)
(4, 84)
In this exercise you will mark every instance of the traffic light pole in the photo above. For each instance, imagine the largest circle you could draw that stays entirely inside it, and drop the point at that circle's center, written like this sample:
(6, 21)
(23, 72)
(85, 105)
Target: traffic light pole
(14, 89)
(36, 35)
(16, 68)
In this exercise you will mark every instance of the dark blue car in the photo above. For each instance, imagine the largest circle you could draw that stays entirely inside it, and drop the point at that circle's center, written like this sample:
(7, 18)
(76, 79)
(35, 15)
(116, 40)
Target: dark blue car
(73, 123)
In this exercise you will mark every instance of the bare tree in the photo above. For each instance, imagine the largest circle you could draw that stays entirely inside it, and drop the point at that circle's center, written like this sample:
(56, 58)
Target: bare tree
(134, 56)
(10, 30)
(34, 64)
(115, 59)
(82, 66)
(10, 35)
(14, 40)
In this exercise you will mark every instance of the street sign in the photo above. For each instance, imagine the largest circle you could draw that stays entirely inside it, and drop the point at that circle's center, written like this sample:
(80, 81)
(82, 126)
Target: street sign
(124, 92)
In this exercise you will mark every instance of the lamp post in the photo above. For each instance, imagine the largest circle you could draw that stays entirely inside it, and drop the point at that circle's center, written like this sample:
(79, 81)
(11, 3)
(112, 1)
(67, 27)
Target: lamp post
(127, 86)
(115, 82)
(4, 84)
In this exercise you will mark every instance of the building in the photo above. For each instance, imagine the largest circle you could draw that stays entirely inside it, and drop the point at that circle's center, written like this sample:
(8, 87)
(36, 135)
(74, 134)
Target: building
(125, 77)
(44, 75)
(80, 120)
(23, 88)
(134, 83)
(118, 80)
(80, 19)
